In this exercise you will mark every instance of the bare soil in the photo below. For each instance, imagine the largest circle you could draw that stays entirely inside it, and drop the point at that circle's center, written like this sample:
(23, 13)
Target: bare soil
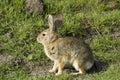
(5, 59)
(41, 68)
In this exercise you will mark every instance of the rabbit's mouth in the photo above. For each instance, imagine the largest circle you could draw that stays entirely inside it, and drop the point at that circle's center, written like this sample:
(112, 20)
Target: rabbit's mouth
(43, 42)
(38, 40)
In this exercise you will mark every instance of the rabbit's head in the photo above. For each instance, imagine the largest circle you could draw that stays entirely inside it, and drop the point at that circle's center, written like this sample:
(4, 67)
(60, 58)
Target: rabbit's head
(49, 34)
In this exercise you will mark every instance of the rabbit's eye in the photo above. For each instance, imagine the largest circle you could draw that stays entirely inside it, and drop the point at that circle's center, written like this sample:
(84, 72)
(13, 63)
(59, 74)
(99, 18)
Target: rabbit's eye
(43, 34)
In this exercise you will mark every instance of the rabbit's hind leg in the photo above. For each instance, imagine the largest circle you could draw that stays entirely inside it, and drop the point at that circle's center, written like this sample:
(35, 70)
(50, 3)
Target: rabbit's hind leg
(78, 68)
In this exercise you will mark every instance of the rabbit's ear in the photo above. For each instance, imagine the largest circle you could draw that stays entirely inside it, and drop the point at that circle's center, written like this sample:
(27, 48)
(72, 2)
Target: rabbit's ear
(51, 23)
(58, 20)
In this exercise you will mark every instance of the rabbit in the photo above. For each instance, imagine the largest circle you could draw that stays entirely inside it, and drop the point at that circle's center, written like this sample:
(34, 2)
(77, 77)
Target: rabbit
(65, 50)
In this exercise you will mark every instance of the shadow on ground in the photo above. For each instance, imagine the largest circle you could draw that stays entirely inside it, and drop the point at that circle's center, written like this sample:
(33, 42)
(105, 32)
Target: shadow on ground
(99, 65)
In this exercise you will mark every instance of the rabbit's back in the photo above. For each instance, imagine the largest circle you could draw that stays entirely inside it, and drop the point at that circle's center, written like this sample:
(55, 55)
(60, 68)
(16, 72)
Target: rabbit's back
(71, 45)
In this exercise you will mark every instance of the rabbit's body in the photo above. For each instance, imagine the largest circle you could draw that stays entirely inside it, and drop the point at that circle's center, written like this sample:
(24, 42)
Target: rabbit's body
(64, 50)
(70, 49)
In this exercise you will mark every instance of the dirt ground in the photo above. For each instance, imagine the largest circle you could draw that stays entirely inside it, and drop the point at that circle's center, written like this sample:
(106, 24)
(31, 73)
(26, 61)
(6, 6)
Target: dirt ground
(5, 59)
(41, 68)
(30, 67)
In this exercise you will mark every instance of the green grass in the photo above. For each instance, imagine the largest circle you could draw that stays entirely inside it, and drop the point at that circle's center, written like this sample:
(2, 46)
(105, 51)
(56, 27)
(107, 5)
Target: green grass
(94, 20)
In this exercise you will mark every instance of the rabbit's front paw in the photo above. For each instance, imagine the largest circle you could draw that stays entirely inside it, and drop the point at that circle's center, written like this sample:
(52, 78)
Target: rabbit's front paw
(57, 74)
(52, 71)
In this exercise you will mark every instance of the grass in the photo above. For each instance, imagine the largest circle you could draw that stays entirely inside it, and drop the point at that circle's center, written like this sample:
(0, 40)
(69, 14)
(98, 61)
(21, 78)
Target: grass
(96, 21)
